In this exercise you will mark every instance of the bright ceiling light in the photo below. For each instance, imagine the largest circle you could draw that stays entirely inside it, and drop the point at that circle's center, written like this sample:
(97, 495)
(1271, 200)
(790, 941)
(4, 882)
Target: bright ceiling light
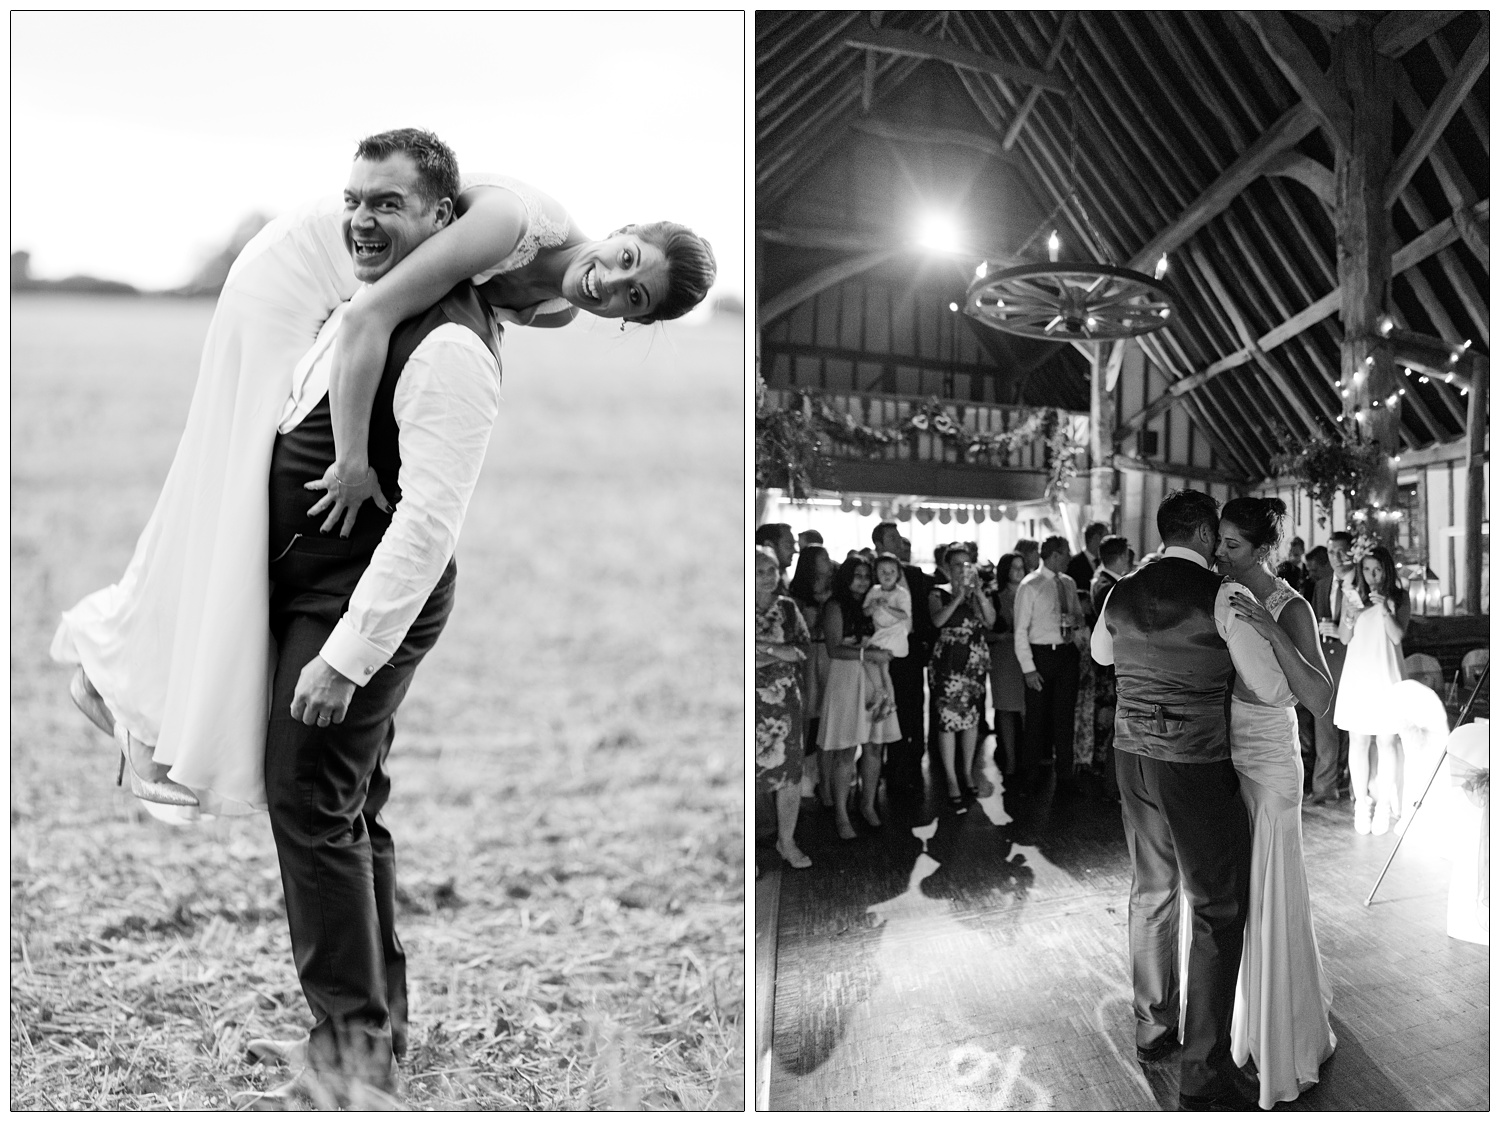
(938, 231)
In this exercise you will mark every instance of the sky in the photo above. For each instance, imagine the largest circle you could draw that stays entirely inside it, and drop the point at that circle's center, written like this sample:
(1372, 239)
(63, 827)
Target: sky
(140, 141)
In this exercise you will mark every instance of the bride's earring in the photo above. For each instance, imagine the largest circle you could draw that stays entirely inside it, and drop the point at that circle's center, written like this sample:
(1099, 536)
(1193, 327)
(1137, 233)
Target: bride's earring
(622, 324)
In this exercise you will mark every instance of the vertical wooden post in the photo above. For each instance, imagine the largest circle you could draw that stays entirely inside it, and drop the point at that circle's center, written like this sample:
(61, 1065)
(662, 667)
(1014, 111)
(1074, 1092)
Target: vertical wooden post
(1474, 504)
(1102, 437)
(1362, 161)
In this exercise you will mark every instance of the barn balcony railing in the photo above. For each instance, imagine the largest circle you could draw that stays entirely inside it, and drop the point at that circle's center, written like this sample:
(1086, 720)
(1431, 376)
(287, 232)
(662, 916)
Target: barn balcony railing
(931, 446)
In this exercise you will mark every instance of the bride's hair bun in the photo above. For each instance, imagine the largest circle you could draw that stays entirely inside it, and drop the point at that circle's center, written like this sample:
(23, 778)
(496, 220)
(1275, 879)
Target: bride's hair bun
(1258, 519)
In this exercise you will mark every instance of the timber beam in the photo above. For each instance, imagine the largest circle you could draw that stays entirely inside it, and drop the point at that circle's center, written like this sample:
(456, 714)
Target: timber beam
(1293, 59)
(939, 50)
(822, 280)
(1421, 247)
(1024, 110)
(913, 134)
(1123, 462)
(1476, 59)
(1435, 357)
(1288, 130)
(1399, 32)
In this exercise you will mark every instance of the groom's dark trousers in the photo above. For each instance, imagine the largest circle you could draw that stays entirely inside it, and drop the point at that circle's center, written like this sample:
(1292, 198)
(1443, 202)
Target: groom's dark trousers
(1185, 826)
(327, 785)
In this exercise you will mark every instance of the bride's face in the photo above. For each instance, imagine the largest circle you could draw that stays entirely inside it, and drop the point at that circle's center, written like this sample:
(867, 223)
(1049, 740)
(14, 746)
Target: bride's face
(1235, 555)
(623, 275)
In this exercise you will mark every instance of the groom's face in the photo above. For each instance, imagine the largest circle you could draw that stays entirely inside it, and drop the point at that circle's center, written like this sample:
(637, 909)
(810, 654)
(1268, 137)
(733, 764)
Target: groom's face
(385, 216)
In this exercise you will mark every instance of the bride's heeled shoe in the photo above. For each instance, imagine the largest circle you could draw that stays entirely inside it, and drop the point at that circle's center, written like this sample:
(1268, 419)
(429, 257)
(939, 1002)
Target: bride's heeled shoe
(135, 757)
(90, 704)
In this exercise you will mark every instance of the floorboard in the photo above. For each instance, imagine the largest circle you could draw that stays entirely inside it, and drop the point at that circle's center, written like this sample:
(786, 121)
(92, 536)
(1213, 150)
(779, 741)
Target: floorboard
(980, 962)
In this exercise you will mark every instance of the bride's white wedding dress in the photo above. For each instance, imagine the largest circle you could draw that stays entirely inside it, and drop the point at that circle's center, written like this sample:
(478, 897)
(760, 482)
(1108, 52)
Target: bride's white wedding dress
(1283, 995)
(180, 649)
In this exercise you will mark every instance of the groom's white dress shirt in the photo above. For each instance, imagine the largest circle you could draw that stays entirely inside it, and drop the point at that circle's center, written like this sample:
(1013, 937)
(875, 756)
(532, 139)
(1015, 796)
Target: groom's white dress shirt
(1254, 661)
(446, 402)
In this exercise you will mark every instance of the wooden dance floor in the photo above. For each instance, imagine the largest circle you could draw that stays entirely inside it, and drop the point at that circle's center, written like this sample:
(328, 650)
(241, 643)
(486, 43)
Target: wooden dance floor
(990, 971)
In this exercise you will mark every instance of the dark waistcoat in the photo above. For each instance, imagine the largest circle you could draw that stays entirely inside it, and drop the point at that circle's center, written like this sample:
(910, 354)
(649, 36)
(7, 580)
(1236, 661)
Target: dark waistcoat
(1171, 666)
(321, 570)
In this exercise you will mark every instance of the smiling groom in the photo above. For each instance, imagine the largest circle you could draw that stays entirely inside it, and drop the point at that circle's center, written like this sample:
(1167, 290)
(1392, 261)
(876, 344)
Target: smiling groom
(352, 617)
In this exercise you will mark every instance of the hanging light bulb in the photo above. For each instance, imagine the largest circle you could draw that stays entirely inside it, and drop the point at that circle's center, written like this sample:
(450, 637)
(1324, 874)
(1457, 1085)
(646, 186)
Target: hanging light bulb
(952, 307)
(1386, 324)
(1391, 401)
(1161, 267)
(1423, 379)
(982, 270)
(1054, 246)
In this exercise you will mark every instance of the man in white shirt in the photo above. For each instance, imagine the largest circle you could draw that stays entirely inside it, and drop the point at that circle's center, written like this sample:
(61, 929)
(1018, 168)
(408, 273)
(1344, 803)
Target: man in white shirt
(353, 616)
(1049, 631)
(1175, 643)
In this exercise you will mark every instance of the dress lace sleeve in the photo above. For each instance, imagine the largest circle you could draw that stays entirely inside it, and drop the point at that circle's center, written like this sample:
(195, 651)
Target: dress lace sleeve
(542, 231)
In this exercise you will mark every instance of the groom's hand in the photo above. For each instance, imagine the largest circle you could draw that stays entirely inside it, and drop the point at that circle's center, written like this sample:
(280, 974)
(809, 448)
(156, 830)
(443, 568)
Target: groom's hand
(1033, 680)
(323, 694)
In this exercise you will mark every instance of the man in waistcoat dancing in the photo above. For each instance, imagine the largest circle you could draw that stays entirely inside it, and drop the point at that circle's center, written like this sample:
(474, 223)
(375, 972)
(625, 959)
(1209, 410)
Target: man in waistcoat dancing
(353, 616)
(1163, 629)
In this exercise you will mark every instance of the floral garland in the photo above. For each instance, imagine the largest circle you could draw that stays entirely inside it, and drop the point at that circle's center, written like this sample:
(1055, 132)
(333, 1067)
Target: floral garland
(1326, 465)
(792, 439)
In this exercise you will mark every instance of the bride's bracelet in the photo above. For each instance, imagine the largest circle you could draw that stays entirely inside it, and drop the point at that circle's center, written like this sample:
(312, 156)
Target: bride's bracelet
(346, 483)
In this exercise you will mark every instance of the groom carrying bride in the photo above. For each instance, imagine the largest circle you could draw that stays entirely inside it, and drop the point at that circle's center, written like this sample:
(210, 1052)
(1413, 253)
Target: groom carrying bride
(352, 617)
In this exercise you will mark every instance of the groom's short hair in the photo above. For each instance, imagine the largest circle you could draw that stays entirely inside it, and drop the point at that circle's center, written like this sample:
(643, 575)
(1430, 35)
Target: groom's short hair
(1182, 512)
(437, 166)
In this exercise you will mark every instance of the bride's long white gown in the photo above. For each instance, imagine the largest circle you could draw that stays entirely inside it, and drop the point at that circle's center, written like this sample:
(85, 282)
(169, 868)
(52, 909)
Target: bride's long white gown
(1283, 995)
(180, 648)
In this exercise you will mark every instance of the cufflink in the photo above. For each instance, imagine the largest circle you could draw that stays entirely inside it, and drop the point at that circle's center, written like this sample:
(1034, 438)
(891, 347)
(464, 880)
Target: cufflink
(369, 670)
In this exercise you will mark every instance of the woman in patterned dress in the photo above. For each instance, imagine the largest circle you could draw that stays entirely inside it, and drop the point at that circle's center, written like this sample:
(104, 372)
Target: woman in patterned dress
(781, 649)
(172, 658)
(960, 666)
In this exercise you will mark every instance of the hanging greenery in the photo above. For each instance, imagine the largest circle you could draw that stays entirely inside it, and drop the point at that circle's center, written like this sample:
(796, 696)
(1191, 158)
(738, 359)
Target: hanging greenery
(792, 441)
(1326, 465)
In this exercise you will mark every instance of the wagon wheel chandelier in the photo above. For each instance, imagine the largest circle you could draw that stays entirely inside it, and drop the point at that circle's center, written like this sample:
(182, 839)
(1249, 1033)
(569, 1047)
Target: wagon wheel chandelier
(1065, 301)
(1070, 301)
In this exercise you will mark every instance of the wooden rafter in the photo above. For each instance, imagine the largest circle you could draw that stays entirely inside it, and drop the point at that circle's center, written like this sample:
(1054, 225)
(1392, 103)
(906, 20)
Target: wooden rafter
(1476, 58)
(1290, 128)
(1477, 116)
(1035, 92)
(1399, 32)
(1475, 236)
(1305, 170)
(837, 273)
(922, 47)
(922, 134)
(1295, 62)
(1418, 249)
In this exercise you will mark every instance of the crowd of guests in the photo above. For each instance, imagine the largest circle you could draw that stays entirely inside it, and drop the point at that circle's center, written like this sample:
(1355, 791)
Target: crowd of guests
(867, 665)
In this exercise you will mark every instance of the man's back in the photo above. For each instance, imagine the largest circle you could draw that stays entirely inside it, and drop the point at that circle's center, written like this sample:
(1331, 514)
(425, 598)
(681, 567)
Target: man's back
(1172, 666)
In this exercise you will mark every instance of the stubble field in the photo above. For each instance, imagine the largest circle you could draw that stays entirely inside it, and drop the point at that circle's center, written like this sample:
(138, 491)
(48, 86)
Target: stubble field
(568, 767)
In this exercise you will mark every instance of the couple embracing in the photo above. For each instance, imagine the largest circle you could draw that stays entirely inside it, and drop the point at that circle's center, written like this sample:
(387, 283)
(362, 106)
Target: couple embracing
(1210, 667)
(255, 652)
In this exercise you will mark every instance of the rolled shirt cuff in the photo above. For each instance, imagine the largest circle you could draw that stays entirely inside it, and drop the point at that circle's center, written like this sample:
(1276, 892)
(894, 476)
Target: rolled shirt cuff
(352, 655)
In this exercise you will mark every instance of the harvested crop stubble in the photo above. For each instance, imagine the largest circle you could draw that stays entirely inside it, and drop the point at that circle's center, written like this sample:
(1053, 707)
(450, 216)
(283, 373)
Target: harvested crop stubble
(567, 773)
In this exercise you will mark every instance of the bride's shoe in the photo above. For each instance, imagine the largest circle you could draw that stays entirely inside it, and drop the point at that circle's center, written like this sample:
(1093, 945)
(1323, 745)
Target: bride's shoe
(136, 758)
(90, 703)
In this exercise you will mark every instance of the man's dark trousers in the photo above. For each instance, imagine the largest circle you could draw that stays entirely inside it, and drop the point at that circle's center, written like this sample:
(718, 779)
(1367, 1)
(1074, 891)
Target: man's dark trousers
(904, 758)
(1185, 821)
(1050, 712)
(326, 787)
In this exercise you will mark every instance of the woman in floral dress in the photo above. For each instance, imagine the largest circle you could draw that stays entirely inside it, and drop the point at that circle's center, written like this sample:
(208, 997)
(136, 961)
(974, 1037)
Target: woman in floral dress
(781, 646)
(960, 668)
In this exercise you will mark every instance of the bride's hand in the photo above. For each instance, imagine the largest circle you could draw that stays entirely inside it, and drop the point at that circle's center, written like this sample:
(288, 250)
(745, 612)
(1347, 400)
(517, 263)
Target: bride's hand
(1249, 609)
(346, 492)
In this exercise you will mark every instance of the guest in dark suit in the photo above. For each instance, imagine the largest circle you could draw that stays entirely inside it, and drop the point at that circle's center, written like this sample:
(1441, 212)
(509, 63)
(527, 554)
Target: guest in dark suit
(1031, 554)
(1331, 742)
(903, 765)
(1114, 563)
(1082, 564)
(1316, 564)
(1293, 570)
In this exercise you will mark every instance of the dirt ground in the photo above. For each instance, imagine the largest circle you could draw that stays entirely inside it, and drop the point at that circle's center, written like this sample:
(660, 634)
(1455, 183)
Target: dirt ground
(568, 798)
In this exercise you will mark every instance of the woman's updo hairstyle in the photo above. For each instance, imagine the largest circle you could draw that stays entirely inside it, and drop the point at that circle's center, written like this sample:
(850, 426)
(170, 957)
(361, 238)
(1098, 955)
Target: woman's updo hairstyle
(1258, 519)
(691, 267)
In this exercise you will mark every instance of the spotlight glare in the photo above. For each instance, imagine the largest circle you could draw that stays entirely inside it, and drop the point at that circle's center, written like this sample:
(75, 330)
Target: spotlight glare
(938, 232)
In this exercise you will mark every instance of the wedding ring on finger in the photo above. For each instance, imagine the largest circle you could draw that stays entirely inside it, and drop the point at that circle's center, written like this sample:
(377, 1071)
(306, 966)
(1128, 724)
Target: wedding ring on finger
(323, 720)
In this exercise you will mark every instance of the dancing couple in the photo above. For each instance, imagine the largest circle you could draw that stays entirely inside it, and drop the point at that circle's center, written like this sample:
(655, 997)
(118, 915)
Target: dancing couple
(1214, 820)
(255, 651)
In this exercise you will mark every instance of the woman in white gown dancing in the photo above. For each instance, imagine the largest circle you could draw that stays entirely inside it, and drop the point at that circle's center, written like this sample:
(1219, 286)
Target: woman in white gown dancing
(174, 659)
(1283, 995)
